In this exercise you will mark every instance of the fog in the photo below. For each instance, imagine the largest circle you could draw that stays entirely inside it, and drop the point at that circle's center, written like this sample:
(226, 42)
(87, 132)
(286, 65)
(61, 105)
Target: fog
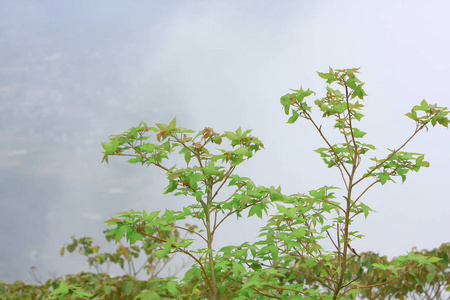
(74, 72)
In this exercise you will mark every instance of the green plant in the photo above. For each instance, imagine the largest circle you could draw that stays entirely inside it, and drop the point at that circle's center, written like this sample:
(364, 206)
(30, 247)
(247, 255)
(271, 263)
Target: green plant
(79, 286)
(431, 281)
(207, 172)
(64, 292)
(296, 234)
(127, 257)
(293, 259)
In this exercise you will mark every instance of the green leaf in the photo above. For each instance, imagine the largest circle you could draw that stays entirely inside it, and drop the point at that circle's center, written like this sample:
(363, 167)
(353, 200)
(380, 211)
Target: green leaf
(379, 266)
(275, 194)
(148, 295)
(135, 236)
(320, 150)
(217, 139)
(358, 133)
(172, 287)
(359, 92)
(110, 148)
(272, 249)
(318, 194)
(424, 105)
(151, 217)
(211, 169)
(167, 146)
(430, 260)
(288, 212)
(136, 160)
(128, 287)
(445, 259)
(421, 163)
(171, 187)
(383, 177)
(299, 232)
(107, 289)
(63, 289)
(365, 209)
(241, 151)
(163, 252)
(412, 115)
(237, 268)
(357, 116)
(328, 76)
(173, 124)
(147, 147)
(193, 179)
(402, 172)
(121, 232)
(340, 108)
(294, 117)
(286, 102)
(256, 209)
(430, 277)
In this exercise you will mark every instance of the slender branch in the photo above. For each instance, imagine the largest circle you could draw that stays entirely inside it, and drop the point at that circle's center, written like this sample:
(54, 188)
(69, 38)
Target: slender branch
(224, 180)
(236, 210)
(353, 280)
(343, 177)
(339, 243)
(215, 222)
(372, 184)
(234, 193)
(382, 283)
(326, 141)
(184, 144)
(334, 204)
(224, 278)
(389, 156)
(292, 290)
(265, 294)
(348, 198)
(319, 279)
(191, 231)
(347, 142)
(187, 253)
(210, 237)
(311, 253)
(365, 190)
(355, 155)
(124, 154)
(332, 240)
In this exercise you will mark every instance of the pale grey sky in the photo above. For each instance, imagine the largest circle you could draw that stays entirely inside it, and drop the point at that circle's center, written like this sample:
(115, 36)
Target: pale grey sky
(72, 73)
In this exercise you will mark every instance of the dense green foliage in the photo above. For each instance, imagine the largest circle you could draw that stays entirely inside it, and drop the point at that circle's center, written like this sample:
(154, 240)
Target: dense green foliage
(304, 250)
(79, 286)
(430, 283)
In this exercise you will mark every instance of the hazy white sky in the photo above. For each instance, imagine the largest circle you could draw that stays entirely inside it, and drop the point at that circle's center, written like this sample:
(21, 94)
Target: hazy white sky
(72, 73)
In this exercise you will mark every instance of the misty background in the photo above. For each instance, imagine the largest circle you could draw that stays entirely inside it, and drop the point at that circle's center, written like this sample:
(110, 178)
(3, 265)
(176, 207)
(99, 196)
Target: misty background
(74, 72)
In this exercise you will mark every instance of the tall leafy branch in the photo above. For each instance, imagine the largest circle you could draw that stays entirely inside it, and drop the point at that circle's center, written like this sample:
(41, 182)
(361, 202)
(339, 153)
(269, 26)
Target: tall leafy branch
(207, 171)
(344, 92)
